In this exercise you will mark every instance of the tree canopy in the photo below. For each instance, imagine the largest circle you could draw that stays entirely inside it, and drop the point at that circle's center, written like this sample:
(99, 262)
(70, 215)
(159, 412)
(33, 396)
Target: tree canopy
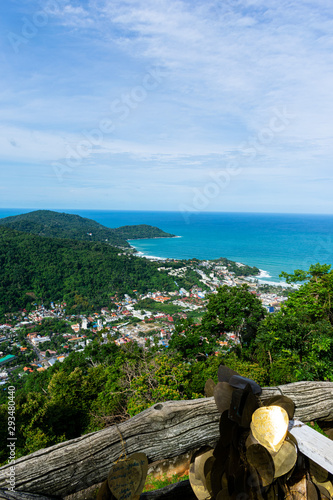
(300, 336)
(233, 310)
(83, 274)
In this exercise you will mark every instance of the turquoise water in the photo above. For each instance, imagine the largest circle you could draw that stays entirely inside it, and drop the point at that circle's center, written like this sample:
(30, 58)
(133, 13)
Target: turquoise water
(272, 242)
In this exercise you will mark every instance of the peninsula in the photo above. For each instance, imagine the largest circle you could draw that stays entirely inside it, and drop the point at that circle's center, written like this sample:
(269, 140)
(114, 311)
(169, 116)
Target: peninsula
(69, 226)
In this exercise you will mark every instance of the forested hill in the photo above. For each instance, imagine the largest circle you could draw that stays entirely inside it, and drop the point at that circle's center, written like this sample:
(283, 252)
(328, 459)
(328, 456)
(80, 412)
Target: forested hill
(141, 231)
(61, 225)
(84, 274)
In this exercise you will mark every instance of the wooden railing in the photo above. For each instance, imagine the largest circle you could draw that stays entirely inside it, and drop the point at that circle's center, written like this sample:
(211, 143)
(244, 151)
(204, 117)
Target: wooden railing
(163, 431)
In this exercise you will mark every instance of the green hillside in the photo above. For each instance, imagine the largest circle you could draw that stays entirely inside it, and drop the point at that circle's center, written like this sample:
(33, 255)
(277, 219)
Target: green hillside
(61, 225)
(141, 231)
(84, 274)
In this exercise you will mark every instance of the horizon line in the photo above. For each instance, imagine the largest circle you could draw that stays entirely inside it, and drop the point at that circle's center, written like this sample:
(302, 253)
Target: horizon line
(194, 212)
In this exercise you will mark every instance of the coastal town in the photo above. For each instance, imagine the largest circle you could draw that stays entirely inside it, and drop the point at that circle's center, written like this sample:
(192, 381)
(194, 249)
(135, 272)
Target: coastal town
(35, 340)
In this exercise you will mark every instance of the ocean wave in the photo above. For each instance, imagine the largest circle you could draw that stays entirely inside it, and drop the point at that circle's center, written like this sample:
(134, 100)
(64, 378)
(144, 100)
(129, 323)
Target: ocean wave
(279, 283)
(153, 257)
(263, 274)
(150, 257)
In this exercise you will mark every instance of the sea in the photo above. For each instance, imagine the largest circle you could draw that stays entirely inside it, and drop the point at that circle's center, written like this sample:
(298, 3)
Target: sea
(271, 242)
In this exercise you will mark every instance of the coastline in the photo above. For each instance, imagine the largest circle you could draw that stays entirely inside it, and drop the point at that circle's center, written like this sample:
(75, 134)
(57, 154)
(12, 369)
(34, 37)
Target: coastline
(262, 280)
(138, 253)
(155, 238)
(263, 274)
(211, 235)
(262, 277)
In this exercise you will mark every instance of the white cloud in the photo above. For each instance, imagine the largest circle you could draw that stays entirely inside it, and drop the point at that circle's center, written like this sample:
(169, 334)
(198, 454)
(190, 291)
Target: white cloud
(70, 15)
(226, 67)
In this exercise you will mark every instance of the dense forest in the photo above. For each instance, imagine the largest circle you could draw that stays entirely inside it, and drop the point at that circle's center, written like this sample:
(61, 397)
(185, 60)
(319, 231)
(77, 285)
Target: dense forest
(106, 383)
(61, 225)
(85, 275)
(141, 231)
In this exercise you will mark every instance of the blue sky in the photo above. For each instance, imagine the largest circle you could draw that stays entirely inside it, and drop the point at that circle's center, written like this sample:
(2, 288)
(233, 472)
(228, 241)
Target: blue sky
(167, 105)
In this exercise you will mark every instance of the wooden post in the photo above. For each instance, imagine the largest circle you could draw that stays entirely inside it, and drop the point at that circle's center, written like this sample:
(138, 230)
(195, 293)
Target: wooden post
(313, 444)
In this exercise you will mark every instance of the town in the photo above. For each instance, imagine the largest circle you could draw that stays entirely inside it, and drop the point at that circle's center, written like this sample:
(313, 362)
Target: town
(36, 340)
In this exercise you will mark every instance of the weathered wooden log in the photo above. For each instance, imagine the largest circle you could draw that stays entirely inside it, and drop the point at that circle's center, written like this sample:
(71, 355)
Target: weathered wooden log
(163, 431)
(313, 400)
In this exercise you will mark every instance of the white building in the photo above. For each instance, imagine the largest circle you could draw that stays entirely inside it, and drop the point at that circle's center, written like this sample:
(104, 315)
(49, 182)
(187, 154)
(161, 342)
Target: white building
(40, 340)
